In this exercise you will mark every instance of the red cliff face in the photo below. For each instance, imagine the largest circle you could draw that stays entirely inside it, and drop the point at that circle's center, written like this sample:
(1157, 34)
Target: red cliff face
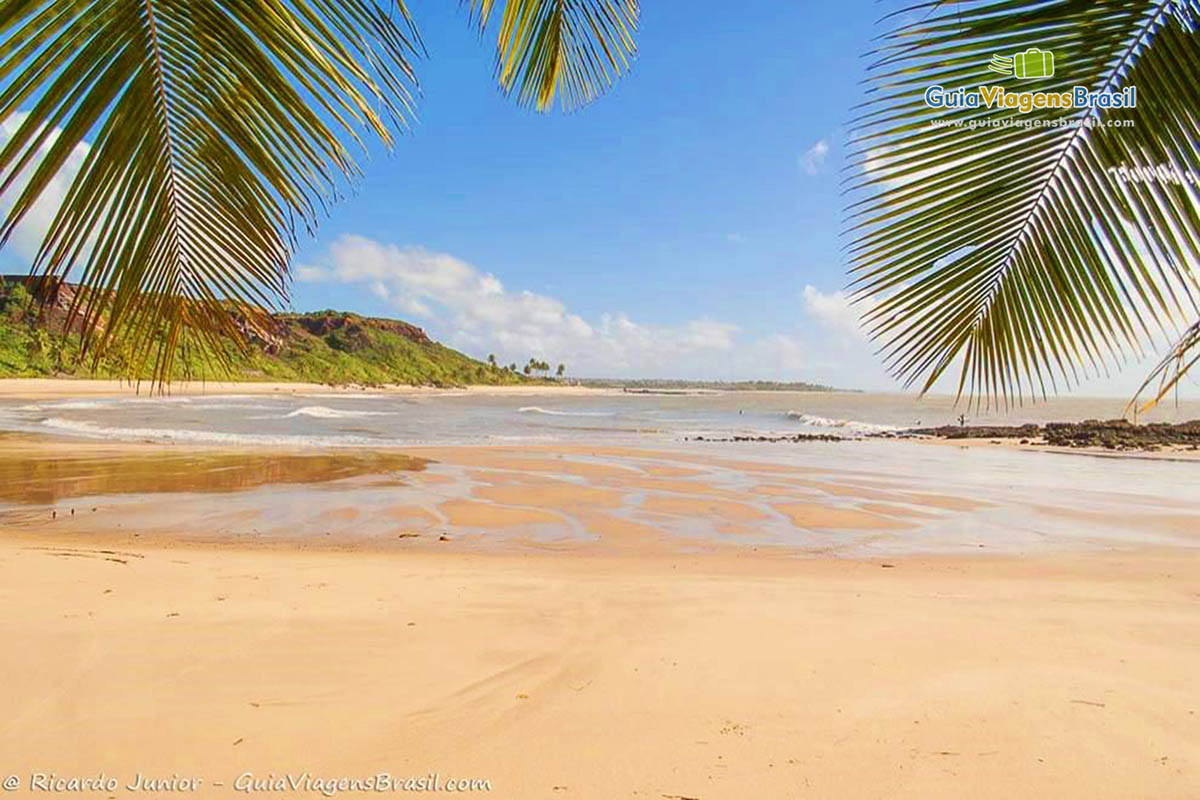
(353, 326)
(55, 297)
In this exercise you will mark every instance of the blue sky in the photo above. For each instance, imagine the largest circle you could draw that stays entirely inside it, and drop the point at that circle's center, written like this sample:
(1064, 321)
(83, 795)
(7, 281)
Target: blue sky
(684, 225)
(683, 195)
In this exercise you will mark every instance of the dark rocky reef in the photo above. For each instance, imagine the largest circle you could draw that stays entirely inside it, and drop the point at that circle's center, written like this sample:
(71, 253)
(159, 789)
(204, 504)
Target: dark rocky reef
(793, 437)
(1113, 434)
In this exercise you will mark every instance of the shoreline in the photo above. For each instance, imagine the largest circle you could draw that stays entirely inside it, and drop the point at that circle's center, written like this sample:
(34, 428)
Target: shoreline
(61, 388)
(1166, 453)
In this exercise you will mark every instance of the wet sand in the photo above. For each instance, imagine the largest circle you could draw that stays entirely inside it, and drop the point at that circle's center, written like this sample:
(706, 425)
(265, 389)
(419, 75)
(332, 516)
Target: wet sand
(568, 498)
(583, 622)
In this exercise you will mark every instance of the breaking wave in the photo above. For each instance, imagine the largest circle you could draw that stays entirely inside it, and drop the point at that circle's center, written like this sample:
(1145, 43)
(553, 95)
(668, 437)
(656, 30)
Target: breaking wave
(552, 413)
(325, 412)
(850, 425)
(93, 431)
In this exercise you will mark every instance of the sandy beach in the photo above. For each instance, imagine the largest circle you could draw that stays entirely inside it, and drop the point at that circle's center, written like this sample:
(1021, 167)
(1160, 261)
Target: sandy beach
(49, 388)
(706, 676)
(580, 622)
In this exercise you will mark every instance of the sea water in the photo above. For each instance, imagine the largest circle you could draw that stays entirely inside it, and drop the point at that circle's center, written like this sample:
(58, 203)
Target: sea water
(379, 419)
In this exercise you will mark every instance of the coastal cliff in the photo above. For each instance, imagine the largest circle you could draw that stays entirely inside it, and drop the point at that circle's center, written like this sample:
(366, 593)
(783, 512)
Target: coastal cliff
(37, 339)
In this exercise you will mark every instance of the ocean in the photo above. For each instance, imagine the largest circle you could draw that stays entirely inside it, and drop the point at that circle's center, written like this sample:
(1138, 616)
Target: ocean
(376, 419)
(1009, 499)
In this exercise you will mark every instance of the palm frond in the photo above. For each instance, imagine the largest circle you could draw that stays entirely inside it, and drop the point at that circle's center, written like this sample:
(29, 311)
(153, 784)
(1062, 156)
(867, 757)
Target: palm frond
(214, 130)
(569, 50)
(1182, 356)
(1018, 253)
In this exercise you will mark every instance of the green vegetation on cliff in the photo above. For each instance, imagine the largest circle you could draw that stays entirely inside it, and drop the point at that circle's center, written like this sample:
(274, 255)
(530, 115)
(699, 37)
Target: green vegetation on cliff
(330, 347)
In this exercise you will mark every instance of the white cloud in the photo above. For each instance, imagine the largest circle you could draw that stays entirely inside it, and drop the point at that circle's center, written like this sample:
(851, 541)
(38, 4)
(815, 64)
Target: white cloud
(474, 311)
(835, 311)
(786, 353)
(27, 237)
(735, 238)
(814, 157)
(309, 274)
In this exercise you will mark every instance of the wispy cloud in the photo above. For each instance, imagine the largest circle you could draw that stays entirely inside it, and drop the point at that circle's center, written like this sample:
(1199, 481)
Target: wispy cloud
(813, 159)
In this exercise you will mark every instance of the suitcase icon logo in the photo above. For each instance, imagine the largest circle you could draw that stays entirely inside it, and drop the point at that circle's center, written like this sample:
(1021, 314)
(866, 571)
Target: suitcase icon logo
(1033, 63)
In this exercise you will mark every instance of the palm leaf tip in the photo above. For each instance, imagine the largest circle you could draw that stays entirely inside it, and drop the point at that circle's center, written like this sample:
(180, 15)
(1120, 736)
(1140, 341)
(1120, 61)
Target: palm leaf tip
(1013, 253)
(215, 130)
(560, 51)
(1170, 371)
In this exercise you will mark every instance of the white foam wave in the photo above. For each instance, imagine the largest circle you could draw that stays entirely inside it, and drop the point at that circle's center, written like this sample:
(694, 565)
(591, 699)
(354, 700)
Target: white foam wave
(204, 402)
(851, 425)
(69, 406)
(81, 405)
(93, 431)
(325, 412)
(553, 413)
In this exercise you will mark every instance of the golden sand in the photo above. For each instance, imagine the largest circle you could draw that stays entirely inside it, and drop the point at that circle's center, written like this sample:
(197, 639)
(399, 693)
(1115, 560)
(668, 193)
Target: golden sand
(708, 676)
(812, 515)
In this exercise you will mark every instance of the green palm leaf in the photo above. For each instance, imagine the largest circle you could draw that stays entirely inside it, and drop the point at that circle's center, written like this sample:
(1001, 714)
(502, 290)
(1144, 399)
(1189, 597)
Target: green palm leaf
(219, 127)
(1017, 253)
(215, 130)
(571, 50)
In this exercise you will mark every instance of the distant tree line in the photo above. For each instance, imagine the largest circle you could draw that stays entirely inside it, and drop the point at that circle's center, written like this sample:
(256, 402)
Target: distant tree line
(534, 368)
